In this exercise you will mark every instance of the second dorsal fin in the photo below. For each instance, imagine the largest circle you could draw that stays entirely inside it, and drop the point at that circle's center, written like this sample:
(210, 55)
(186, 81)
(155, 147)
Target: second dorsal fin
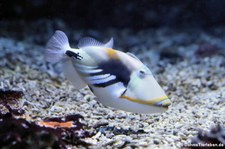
(91, 42)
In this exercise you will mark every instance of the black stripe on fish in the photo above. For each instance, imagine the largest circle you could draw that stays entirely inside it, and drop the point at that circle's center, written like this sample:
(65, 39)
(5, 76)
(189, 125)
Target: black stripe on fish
(96, 73)
(116, 68)
(105, 84)
(72, 54)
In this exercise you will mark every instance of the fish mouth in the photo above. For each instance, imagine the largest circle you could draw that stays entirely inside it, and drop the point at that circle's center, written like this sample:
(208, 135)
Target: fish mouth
(162, 101)
(165, 103)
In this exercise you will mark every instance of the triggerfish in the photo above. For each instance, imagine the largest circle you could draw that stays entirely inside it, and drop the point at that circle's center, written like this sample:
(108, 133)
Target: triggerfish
(117, 79)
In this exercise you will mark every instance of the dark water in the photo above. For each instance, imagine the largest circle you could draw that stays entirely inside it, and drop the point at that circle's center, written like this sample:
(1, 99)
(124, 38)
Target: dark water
(128, 13)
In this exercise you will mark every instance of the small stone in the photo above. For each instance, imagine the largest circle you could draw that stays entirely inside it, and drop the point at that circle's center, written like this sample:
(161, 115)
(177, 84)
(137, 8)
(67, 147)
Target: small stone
(119, 143)
(156, 142)
(212, 86)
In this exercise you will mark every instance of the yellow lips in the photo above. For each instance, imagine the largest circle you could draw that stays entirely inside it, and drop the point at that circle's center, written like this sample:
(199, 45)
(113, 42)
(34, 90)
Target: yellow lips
(164, 100)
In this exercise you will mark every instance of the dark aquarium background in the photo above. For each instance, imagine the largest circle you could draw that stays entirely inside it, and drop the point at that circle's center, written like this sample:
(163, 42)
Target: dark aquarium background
(119, 14)
(181, 41)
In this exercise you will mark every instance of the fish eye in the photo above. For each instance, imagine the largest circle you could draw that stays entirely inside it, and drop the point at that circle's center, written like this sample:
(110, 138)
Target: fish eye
(142, 71)
(142, 74)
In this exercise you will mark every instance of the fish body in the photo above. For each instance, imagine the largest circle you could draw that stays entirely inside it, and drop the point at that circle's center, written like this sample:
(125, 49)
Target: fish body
(117, 79)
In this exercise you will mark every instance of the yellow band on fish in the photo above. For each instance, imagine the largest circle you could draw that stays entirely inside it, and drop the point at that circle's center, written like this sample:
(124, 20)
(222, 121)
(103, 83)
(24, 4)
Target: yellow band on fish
(149, 102)
(112, 53)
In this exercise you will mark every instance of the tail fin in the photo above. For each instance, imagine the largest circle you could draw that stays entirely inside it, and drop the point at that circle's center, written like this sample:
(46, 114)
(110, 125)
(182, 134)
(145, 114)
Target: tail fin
(56, 47)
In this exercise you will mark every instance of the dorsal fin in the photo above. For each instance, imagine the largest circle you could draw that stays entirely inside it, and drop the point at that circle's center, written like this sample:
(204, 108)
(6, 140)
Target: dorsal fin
(91, 42)
(132, 55)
